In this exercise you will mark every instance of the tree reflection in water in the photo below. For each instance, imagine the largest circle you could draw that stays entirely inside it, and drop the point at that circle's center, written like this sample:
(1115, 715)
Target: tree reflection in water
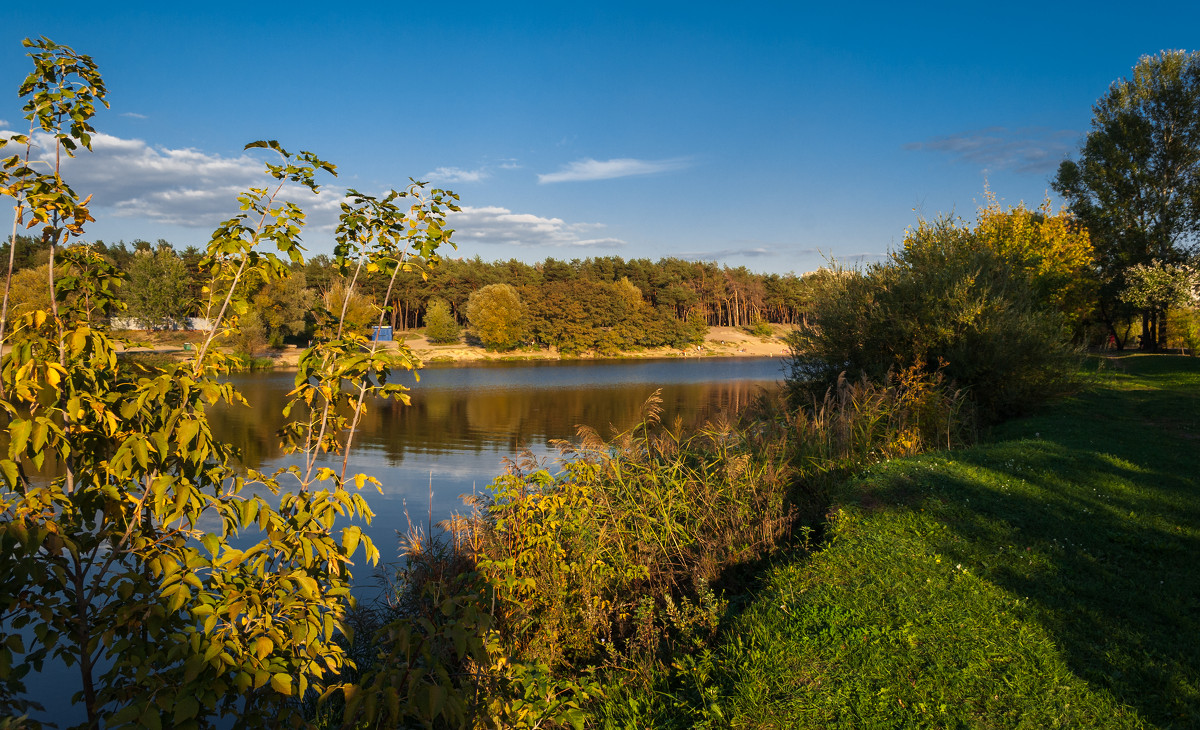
(464, 421)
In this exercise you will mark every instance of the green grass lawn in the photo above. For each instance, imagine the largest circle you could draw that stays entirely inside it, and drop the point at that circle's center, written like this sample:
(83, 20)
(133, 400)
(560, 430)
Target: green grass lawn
(1049, 578)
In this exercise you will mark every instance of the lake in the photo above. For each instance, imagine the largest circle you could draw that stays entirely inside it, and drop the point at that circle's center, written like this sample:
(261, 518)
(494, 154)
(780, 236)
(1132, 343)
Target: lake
(464, 421)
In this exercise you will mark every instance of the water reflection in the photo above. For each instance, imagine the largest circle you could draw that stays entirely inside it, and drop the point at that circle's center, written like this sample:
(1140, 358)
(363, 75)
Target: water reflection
(462, 424)
(464, 421)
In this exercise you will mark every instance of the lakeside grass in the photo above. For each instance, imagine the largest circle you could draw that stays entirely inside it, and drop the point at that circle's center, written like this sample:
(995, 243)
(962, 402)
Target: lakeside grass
(1044, 579)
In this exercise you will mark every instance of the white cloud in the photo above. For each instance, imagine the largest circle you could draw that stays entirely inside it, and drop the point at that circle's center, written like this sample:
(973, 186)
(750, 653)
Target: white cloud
(455, 175)
(496, 225)
(184, 187)
(191, 188)
(589, 169)
(862, 258)
(134, 115)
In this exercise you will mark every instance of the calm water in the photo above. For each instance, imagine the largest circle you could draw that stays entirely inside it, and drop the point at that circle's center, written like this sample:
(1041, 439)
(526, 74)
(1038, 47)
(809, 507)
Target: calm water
(465, 421)
(462, 424)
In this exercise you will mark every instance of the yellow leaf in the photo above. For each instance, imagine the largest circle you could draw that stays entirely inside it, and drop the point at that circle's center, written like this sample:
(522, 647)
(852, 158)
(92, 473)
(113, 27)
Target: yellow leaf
(281, 683)
(262, 647)
(350, 538)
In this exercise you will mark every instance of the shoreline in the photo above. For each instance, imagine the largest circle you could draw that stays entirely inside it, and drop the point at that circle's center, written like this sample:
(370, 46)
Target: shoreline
(720, 342)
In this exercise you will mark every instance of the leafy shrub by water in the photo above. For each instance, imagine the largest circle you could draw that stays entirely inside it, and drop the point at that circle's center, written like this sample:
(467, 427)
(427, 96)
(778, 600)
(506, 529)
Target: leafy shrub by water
(944, 302)
(607, 560)
(440, 325)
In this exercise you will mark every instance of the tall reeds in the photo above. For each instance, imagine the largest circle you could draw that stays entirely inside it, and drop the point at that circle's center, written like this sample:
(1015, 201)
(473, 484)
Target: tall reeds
(607, 557)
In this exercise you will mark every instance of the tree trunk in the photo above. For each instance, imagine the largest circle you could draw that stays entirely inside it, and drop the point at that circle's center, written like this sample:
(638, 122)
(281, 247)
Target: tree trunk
(1108, 322)
(1162, 328)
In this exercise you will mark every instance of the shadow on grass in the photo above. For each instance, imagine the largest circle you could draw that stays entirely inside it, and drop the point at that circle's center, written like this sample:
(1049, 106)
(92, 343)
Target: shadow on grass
(1095, 518)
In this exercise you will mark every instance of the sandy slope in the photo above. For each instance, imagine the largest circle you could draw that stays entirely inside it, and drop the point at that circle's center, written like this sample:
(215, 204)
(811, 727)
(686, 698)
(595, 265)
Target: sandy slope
(721, 342)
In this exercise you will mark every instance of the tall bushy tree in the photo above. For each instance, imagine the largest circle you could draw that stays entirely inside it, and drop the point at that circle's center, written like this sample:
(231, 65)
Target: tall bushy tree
(946, 301)
(283, 306)
(29, 290)
(440, 325)
(131, 542)
(159, 289)
(1050, 249)
(1136, 184)
(345, 308)
(497, 316)
(1157, 287)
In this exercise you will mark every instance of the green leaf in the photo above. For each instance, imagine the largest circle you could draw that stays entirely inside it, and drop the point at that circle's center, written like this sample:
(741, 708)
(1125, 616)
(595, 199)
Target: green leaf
(186, 709)
(263, 646)
(18, 436)
(38, 435)
(193, 666)
(140, 452)
(9, 468)
(186, 432)
(211, 543)
(150, 718)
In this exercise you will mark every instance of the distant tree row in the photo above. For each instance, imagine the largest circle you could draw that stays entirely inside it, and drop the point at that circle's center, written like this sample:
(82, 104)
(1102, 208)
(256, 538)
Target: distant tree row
(720, 296)
(598, 304)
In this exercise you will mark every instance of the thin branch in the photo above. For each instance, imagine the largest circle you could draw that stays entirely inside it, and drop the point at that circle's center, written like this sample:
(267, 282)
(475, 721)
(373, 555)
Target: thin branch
(214, 324)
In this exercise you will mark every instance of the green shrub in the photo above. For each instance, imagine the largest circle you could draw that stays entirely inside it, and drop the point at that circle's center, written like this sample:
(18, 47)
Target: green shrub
(242, 361)
(761, 329)
(611, 558)
(944, 302)
(440, 325)
(497, 316)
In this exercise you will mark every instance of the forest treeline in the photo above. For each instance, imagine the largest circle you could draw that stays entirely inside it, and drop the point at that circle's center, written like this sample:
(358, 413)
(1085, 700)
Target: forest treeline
(605, 303)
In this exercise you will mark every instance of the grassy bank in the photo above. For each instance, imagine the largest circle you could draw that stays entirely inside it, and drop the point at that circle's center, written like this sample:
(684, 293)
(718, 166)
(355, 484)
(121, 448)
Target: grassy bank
(1045, 579)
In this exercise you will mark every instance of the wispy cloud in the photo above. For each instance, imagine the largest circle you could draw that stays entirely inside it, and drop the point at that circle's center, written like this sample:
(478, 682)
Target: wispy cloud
(496, 225)
(455, 175)
(185, 187)
(724, 253)
(752, 248)
(589, 169)
(192, 188)
(860, 258)
(134, 115)
(1037, 150)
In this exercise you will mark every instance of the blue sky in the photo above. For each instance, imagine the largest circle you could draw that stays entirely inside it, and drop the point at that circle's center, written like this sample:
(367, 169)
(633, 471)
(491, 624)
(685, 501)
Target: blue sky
(767, 135)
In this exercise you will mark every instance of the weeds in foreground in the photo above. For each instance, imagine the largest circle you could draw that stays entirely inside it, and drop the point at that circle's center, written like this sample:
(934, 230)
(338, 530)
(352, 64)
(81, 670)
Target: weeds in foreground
(604, 562)
(1044, 579)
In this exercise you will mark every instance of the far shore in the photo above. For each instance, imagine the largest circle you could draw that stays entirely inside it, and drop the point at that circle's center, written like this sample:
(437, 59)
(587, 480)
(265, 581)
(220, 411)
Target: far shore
(720, 342)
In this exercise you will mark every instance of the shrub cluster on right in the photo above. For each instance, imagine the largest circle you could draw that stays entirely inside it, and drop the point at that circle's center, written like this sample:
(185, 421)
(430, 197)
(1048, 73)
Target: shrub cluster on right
(991, 312)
